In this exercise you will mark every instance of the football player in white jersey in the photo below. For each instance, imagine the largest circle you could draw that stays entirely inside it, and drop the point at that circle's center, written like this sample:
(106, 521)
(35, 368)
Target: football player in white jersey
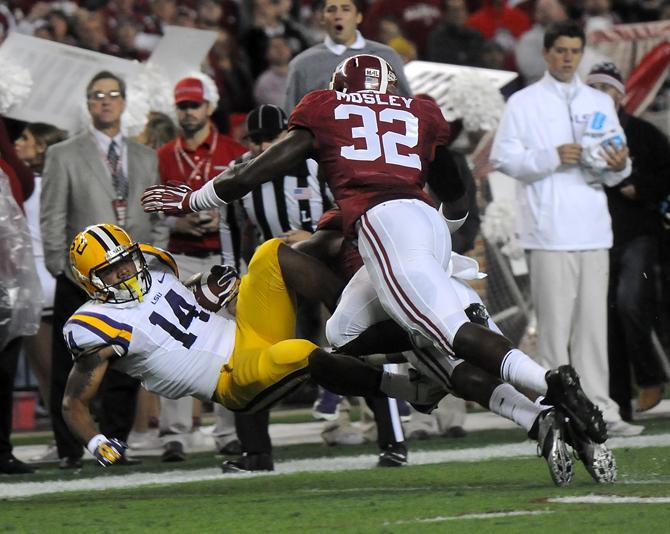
(142, 320)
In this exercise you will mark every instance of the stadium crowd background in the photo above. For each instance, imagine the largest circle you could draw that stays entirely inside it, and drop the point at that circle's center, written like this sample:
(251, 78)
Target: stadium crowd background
(249, 64)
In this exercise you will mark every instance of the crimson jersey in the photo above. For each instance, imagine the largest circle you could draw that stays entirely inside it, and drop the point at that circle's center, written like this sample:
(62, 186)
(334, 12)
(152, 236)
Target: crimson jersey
(373, 147)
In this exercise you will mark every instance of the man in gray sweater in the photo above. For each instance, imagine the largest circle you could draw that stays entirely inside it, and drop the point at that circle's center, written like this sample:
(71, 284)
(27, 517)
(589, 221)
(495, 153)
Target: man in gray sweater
(312, 69)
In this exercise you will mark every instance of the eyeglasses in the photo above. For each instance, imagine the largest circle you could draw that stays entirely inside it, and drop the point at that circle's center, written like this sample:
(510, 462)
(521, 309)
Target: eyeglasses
(188, 104)
(99, 96)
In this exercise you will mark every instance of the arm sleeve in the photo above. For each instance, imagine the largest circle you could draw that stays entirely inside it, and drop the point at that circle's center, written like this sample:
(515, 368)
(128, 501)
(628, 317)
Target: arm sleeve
(511, 156)
(53, 216)
(444, 177)
(85, 331)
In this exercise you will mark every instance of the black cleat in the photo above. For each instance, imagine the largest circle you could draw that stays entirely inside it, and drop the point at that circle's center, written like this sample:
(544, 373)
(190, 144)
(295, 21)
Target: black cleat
(394, 455)
(248, 463)
(174, 452)
(11, 465)
(551, 446)
(565, 392)
(596, 457)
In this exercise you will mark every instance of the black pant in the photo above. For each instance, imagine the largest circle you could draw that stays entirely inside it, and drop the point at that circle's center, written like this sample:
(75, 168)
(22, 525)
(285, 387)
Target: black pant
(253, 432)
(384, 420)
(118, 392)
(9, 357)
(632, 307)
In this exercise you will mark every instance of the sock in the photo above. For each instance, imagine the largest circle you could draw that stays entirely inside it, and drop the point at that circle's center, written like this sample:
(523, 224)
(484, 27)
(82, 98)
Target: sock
(520, 370)
(510, 404)
(397, 386)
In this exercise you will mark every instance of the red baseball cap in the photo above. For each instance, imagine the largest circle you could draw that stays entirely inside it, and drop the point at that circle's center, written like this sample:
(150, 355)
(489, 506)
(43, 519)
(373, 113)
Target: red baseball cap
(191, 90)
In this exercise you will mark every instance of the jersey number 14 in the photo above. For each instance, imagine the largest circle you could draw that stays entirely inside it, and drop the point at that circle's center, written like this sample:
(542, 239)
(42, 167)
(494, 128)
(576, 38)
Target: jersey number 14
(184, 313)
(374, 141)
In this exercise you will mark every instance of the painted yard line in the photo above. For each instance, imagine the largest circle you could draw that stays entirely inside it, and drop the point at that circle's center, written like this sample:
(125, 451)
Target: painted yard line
(507, 451)
(485, 515)
(609, 499)
(361, 490)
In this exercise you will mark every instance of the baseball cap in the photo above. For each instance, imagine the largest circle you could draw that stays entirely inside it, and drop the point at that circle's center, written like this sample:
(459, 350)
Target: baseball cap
(607, 73)
(266, 121)
(191, 90)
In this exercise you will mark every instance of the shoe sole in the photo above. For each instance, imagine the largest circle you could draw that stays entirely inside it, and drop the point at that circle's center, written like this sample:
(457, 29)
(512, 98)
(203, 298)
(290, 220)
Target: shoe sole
(558, 459)
(583, 413)
(602, 467)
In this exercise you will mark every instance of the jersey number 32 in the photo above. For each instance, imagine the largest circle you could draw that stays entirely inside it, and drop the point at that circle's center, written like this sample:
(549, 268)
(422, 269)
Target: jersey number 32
(374, 141)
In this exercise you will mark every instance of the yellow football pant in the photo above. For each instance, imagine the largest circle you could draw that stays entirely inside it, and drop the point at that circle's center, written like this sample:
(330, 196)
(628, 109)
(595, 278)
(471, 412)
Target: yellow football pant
(266, 363)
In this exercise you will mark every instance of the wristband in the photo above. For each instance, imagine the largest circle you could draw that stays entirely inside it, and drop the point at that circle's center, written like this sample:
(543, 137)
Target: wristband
(205, 198)
(94, 442)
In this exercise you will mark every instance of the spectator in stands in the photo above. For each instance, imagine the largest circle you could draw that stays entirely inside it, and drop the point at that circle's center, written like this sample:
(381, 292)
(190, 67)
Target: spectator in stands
(452, 41)
(91, 34)
(636, 223)
(270, 87)
(389, 28)
(313, 68)
(61, 27)
(21, 185)
(158, 131)
(404, 48)
(126, 39)
(31, 147)
(598, 15)
(232, 74)
(268, 22)
(186, 17)
(417, 18)
(163, 13)
(195, 157)
(528, 51)
(496, 20)
(218, 14)
(94, 176)
(564, 223)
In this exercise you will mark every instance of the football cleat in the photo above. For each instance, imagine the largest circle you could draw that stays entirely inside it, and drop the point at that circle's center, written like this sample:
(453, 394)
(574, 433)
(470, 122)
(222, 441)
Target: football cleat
(248, 463)
(565, 392)
(394, 455)
(551, 446)
(597, 458)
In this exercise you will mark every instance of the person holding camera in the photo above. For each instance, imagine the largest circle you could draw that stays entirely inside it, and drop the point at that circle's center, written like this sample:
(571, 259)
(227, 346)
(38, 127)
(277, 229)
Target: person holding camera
(196, 156)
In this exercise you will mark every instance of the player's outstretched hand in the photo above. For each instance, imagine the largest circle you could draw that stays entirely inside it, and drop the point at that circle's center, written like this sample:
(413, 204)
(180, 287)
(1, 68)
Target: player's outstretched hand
(170, 199)
(110, 451)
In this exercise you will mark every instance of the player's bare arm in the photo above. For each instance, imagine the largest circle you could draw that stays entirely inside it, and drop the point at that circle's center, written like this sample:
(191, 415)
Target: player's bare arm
(82, 384)
(234, 182)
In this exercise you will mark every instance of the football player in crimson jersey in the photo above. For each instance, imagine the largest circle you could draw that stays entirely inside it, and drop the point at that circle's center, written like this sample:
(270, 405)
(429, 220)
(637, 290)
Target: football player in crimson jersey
(377, 150)
(364, 328)
(143, 321)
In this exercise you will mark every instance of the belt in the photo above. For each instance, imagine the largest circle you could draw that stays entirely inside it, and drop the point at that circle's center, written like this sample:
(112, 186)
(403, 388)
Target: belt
(201, 253)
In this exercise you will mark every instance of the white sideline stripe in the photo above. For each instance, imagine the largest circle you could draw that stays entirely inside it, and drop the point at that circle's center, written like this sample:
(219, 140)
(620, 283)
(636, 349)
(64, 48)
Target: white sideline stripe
(610, 499)
(315, 465)
(490, 515)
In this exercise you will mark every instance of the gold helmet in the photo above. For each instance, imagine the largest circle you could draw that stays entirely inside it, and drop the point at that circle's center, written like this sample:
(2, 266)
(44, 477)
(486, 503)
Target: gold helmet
(96, 255)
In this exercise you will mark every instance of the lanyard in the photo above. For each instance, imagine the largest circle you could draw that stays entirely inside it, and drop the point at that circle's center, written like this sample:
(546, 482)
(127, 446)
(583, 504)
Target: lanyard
(180, 153)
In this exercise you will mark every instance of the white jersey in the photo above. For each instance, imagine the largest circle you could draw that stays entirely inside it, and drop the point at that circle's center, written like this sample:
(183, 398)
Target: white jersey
(168, 341)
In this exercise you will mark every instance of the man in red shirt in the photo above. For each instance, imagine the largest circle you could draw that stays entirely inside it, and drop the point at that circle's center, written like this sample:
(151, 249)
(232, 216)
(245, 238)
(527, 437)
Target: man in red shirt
(199, 154)
(377, 151)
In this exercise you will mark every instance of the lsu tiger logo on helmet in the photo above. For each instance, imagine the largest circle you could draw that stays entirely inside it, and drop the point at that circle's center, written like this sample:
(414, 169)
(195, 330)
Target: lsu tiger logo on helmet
(109, 265)
(364, 72)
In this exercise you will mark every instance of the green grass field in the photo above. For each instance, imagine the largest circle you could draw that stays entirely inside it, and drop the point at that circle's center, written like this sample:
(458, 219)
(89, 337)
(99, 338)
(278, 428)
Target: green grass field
(510, 495)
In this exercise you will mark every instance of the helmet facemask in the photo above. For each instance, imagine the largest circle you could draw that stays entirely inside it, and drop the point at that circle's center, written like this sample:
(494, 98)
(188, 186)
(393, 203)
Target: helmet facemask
(133, 287)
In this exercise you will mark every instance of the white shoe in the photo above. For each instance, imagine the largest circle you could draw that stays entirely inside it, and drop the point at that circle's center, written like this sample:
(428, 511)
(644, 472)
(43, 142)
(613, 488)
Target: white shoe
(49, 455)
(621, 429)
(143, 441)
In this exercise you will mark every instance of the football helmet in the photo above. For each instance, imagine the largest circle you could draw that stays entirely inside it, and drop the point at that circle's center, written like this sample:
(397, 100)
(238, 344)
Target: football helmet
(97, 251)
(364, 72)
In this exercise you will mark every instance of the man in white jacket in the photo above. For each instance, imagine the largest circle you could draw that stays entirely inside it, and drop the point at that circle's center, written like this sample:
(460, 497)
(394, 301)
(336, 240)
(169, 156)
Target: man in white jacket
(562, 140)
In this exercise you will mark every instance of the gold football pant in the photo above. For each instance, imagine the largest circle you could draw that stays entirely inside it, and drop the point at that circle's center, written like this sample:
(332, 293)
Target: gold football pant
(266, 363)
